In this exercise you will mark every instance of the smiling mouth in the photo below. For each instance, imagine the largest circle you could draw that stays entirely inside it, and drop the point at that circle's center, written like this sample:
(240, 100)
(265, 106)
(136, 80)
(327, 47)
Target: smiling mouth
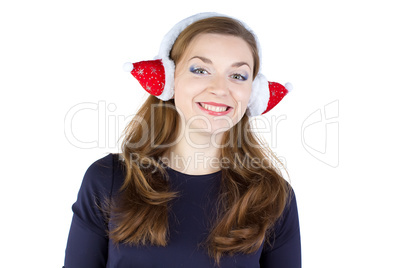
(214, 108)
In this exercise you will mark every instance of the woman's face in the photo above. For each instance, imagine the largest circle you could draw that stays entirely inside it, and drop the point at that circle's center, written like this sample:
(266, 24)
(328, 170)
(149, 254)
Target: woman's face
(213, 82)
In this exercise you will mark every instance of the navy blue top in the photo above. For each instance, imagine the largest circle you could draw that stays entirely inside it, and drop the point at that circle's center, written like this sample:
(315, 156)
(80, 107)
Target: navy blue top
(189, 221)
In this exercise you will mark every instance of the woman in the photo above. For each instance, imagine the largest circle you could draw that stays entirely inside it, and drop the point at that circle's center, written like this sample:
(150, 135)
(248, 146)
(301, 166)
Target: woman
(193, 187)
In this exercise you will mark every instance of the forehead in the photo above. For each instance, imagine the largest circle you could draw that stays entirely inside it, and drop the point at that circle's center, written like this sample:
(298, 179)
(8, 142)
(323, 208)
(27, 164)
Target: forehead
(219, 45)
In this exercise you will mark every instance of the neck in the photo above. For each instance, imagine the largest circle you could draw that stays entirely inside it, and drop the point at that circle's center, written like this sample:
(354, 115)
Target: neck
(195, 154)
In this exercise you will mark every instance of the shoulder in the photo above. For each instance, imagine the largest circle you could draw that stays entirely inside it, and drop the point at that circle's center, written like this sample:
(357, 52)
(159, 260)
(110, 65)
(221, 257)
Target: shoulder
(287, 226)
(290, 213)
(103, 167)
(284, 247)
(102, 178)
(103, 174)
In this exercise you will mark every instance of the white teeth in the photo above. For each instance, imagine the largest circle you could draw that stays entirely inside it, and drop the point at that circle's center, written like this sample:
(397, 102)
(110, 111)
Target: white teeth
(213, 108)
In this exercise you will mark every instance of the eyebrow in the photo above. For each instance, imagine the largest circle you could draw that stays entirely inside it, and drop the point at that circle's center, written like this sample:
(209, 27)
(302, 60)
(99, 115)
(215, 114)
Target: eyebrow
(205, 60)
(208, 61)
(241, 63)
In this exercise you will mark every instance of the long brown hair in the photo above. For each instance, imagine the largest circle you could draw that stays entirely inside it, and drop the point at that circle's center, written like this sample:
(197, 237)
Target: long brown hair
(252, 196)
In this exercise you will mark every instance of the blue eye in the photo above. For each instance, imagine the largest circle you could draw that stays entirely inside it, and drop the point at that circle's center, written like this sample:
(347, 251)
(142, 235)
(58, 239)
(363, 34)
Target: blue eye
(239, 77)
(198, 70)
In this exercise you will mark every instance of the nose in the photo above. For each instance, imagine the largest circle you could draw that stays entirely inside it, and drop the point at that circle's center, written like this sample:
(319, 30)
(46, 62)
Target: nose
(219, 85)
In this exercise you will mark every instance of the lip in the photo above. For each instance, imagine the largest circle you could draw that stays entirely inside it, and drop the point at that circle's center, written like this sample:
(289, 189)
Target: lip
(215, 104)
(213, 112)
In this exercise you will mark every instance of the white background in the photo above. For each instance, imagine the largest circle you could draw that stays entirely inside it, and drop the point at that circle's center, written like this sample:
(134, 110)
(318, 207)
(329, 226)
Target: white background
(345, 55)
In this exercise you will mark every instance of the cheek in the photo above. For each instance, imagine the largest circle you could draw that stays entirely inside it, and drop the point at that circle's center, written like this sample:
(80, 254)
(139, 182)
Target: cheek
(243, 96)
(184, 94)
(180, 90)
(187, 88)
(179, 100)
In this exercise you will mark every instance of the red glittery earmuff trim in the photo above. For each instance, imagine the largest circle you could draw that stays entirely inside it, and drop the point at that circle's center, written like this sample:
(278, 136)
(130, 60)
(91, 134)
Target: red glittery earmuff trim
(276, 94)
(151, 75)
